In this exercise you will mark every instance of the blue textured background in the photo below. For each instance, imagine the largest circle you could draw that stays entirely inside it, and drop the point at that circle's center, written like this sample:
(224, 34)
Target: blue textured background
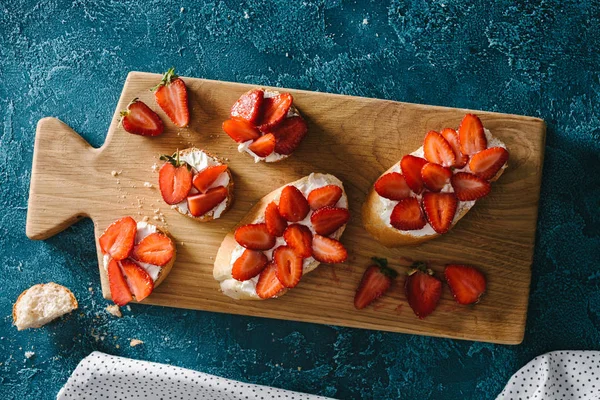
(69, 59)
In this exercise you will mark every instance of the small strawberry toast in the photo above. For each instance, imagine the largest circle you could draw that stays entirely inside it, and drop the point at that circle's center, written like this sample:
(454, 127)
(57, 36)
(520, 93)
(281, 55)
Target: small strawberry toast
(431, 189)
(287, 234)
(196, 184)
(266, 125)
(137, 258)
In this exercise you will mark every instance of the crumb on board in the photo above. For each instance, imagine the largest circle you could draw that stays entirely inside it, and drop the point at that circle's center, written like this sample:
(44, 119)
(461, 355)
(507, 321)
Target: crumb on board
(147, 184)
(135, 342)
(114, 310)
(145, 219)
(155, 167)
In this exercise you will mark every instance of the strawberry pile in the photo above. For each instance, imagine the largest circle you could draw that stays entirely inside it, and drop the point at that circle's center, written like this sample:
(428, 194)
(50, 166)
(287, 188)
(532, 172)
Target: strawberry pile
(288, 220)
(126, 276)
(266, 121)
(460, 159)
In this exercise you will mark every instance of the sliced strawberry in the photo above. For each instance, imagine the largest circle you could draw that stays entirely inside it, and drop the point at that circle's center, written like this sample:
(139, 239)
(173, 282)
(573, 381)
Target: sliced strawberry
(139, 119)
(289, 266)
(268, 286)
(289, 133)
(138, 280)
(407, 215)
(276, 224)
(171, 96)
(254, 237)
(471, 135)
(248, 265)
(423, 290)
(469, 187)
(435, 177)
(200, 204)
(466, 283)
(488, 162)
(248, 106)
(118, 239)
(241, 131)
(440, 209)
(292, 204)
(327, 220)
(326, 196)
(264, 145)
(299, 238)
(437, 150)
(274, 110)
(451, 137)
(392, 186)
(119, 291)
(376, 280)
(203, 179)
(174, 180)
(411, 169)
(155, 249)
(328, 250)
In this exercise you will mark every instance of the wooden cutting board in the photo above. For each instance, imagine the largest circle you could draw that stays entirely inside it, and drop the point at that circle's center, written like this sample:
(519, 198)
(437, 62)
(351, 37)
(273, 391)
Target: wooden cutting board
(355, 139)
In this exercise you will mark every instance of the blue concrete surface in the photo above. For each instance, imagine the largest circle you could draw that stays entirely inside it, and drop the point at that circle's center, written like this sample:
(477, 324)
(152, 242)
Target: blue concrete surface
(69, 59)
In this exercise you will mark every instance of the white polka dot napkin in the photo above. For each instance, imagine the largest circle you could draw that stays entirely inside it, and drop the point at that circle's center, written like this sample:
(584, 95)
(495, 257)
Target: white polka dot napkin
(557, 375)
(102, 376)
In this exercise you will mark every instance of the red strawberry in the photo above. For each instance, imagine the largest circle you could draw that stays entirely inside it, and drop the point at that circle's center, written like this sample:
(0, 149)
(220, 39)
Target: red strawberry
(437, 150)
(327, 220)
(328, 250)
(292, 204)
(241, 131)
(392, 186)
(118, 239)
(326, 196)
(203, 179)
(423, 290)
(469, 187)
(471, 135)
(254, 237)
(289, 133)
(435, 177)
(264, 145)
(276, 224)
(155, 249)
(376, 280)
(138, 280)
(274, 110)
(289, 266)
(119, 291)
(268, 286)
(248, 265)
(467, 284)
(411, 169)
(248, 106)
(200, 204)
(139, 119)
(488, 162)
(451, 137)
(407, 215)
(171, 96)
(299, 238)
(174, 179)
(440, 209)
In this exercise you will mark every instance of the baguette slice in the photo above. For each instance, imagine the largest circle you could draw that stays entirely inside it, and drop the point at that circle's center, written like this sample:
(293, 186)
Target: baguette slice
(41, 304)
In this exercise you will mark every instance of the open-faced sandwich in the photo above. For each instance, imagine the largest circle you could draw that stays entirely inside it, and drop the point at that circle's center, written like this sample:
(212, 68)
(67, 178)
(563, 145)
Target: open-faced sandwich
(431, 189)
(137, 258)
(284, 236)
(196, 184)
(266, 125)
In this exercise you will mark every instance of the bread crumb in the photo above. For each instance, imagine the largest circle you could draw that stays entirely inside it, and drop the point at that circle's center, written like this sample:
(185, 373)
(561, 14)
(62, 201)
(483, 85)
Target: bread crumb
(174, 206)
(118, 181)
(299, 368)
(156, 211)
(114, 310)
(147, 184)
(128, 308)
(114, 173)
(135, 342)
(118, 347)
(155, 167)
(29, 354)
(145, 219)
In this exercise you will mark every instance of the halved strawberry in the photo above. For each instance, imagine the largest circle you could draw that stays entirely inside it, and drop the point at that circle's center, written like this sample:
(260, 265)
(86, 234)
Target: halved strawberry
(328, 250)
(139, 119)
(268, 286)
(437, 150)
(423, 290)
(392, 186)
(466, 283)
(292, 204)
(171, 96)
(264, 145)
(411, 169)
(203, 179)
(274, 110)
(248, 106)
(299, 238)
(376, 280)
(289, 266)
(440, 209)
(289, 133)
(471, 135)
(174, 179)
(119, 291)
(435, 177)
(326, 196)
(241, 131)
(254, 237)
(407, 215)
(488, 162)
(155, 249)
(118, 239)
(451, 137)
(276, 224)
(138, 280)
(200, 204)
(469, 187)
(248, 265)
(327, 220)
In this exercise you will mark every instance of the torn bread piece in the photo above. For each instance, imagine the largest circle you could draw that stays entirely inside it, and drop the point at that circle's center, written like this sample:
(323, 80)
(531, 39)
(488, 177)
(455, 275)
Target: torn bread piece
(41, 304)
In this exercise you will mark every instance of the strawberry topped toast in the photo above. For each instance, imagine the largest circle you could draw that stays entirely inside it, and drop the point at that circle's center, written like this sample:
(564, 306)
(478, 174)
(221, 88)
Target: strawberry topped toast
(137, 258)
(286, 235)
(266, 125)
(431, 189)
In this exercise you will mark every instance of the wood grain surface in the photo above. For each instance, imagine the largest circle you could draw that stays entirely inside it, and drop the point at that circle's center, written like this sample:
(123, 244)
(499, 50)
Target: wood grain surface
(353, 138)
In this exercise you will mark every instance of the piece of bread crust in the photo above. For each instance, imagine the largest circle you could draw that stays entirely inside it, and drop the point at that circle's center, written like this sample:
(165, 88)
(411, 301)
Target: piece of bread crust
(32, 321)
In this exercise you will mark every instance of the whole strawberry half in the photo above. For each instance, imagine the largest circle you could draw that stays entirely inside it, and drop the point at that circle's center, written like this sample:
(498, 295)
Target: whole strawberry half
(422, 289)
(466, 283)
(171, 96)
(376, 280)
(174, 179)
(139, 119)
